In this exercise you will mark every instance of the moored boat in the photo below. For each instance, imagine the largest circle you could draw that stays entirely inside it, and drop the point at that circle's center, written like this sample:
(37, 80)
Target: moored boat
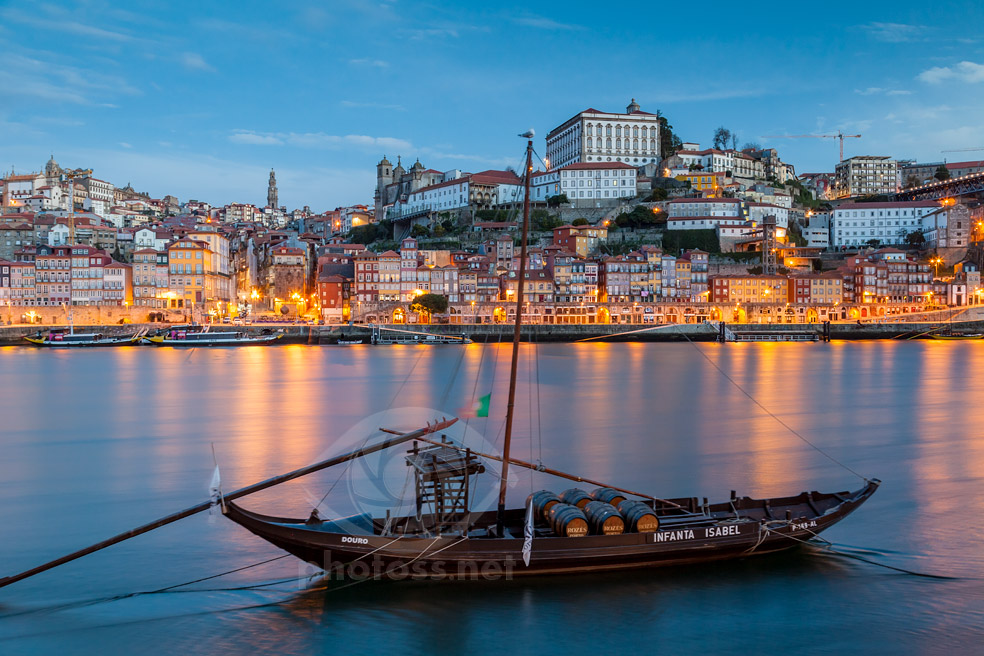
(688, 532)
(63, 338)
(573, 532)
(195, 338)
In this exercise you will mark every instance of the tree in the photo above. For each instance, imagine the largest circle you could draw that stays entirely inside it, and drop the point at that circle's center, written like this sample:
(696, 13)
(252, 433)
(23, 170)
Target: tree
(558, 200)
(430, 304)
(942, 173)
(874, 243)
(657, 195)
(916, 239)
(751, 145)
(669, 142)
(541, 221)
(640, 217)
(580, 221)
(721, 137)
(675, 241)
(734, 141)
(419, 230)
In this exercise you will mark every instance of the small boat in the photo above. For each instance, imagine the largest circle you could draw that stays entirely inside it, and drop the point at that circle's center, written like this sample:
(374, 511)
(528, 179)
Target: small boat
(348, 342)
(385, 336)
(179, 336)
(62, 338)
(959, 336)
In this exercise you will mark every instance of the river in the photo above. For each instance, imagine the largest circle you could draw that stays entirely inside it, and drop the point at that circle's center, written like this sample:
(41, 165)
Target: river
(98, 441)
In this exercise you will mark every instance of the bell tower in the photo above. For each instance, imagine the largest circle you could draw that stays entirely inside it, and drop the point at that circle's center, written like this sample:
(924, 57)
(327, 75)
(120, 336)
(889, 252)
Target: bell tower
(272, 201)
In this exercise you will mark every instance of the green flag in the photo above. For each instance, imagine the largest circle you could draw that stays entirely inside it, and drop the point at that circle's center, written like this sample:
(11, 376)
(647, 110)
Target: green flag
(482, 405)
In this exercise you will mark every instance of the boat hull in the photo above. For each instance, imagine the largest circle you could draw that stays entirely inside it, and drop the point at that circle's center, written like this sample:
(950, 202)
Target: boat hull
(112, 341)
(757, 527)
(260, 340)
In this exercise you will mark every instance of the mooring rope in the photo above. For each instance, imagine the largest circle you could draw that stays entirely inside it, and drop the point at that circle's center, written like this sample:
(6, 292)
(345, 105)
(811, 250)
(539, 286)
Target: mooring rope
(772, 414)
(828, 547)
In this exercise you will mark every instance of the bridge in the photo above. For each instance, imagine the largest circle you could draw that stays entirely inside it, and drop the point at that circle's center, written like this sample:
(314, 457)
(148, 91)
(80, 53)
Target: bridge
(965, 185)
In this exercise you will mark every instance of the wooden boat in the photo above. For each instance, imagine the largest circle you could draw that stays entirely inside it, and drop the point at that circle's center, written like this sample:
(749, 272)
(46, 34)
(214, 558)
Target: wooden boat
(571, 533)
(688, 533)
(348, 342)
(193, 338)
(62, 338)
(958, 336)
(398, 336)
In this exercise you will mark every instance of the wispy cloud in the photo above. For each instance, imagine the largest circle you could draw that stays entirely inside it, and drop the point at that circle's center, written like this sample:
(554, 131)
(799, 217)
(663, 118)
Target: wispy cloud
(53, 82)
(317, 140)
(895, 32)
(125, 144)
(878, 91)
(377, 63)
(544, 23)
(965, 71)
(196, 62)
(371, 105)
(254, 139)
(61, 20)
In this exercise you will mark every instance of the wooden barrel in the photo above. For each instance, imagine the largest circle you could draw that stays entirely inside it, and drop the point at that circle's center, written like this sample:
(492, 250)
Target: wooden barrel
(603, 518)
(575, 496)
(639, 518)
(542, 501)
(568, 521)
(607, 495)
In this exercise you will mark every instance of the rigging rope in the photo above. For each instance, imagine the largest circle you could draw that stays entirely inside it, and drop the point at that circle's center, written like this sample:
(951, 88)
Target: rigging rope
(770, 413)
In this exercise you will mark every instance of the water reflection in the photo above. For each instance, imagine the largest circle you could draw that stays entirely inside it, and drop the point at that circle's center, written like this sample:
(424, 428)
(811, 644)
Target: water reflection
(104, 440)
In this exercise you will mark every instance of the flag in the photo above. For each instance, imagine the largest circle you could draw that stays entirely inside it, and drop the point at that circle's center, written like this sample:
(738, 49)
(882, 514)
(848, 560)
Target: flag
(479, 408)
(528, 532)
(482, 405)
(214, 490)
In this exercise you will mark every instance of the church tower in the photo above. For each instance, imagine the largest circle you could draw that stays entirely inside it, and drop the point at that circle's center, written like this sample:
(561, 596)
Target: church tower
(272, 201)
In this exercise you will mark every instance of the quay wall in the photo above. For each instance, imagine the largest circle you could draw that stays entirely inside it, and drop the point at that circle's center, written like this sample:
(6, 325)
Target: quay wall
(489, 333)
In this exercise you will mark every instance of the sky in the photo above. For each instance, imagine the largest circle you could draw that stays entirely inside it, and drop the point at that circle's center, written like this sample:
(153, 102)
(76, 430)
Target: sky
(202, 99)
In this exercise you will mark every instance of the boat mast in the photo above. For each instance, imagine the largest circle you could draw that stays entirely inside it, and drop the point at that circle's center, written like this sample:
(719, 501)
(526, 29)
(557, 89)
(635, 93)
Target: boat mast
(521, 281)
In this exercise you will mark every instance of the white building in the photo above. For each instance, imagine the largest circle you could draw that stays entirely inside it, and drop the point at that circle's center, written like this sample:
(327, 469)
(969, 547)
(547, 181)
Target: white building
(732, 208)
(710, 160)
(483, 190)
(155, 238)
(947, 227)
(595, 136)
(597, 184)
(758, 211)
(855, 224)
(817, 230)
(865, 175)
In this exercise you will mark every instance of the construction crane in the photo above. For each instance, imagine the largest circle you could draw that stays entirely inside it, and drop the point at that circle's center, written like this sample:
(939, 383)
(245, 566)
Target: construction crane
(840, 135)
(71, 176)
(961, 150)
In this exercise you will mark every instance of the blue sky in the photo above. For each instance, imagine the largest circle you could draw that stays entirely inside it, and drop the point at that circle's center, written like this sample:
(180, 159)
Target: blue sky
(200, 99)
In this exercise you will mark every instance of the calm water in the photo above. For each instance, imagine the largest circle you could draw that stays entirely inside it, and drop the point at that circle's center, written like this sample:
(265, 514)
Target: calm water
(95, 442)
